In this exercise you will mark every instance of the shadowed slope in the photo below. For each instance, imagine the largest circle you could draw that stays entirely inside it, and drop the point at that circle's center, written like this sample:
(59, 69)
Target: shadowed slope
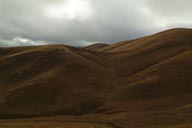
(52, 80)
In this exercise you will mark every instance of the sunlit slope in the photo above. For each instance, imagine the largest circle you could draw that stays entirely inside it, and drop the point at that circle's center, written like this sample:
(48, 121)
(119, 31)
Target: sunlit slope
(153, 73)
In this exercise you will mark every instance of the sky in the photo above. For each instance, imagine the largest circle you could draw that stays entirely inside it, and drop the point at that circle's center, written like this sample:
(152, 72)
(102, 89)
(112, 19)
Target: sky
(85, 22)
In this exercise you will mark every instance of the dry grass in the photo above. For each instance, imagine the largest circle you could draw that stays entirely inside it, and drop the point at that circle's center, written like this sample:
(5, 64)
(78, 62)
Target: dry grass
(51, 125)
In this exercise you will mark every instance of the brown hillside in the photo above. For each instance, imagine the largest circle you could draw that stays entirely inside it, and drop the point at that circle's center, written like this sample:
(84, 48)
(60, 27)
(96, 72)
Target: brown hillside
(153, 73)
(147, 78)
(54, 79)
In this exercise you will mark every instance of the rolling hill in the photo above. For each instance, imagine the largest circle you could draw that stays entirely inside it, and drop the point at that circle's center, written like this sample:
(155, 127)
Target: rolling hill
(54, 79)
(149, 77)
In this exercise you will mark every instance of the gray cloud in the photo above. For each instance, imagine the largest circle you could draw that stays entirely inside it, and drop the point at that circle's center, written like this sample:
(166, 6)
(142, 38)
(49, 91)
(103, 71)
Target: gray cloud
(82, 22)
(172, 8)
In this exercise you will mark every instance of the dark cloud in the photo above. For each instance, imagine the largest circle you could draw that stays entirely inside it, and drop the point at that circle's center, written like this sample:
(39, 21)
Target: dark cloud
(82, 22)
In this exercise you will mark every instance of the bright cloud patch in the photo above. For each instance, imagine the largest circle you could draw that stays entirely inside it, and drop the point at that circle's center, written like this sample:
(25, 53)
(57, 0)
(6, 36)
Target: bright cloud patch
(70, 9)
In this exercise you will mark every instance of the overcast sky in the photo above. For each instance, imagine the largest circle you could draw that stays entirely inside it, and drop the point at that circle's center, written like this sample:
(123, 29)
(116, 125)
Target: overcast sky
(83, 22)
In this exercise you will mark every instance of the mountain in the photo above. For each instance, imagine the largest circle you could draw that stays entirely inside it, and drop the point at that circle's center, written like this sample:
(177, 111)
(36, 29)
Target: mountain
(96, 46)
(145, 78)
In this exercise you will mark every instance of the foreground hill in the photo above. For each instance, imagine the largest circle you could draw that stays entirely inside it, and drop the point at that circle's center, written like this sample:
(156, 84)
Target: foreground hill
(139, 79)
(55, 79)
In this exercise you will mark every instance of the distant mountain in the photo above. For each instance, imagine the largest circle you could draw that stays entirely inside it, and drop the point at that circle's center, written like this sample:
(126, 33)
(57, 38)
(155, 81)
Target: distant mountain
(96, 46)
(148, 75)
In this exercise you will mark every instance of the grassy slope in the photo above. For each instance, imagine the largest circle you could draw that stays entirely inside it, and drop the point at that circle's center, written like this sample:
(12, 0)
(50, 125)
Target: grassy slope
(52, 80)
(154, 74)
(145, 82)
